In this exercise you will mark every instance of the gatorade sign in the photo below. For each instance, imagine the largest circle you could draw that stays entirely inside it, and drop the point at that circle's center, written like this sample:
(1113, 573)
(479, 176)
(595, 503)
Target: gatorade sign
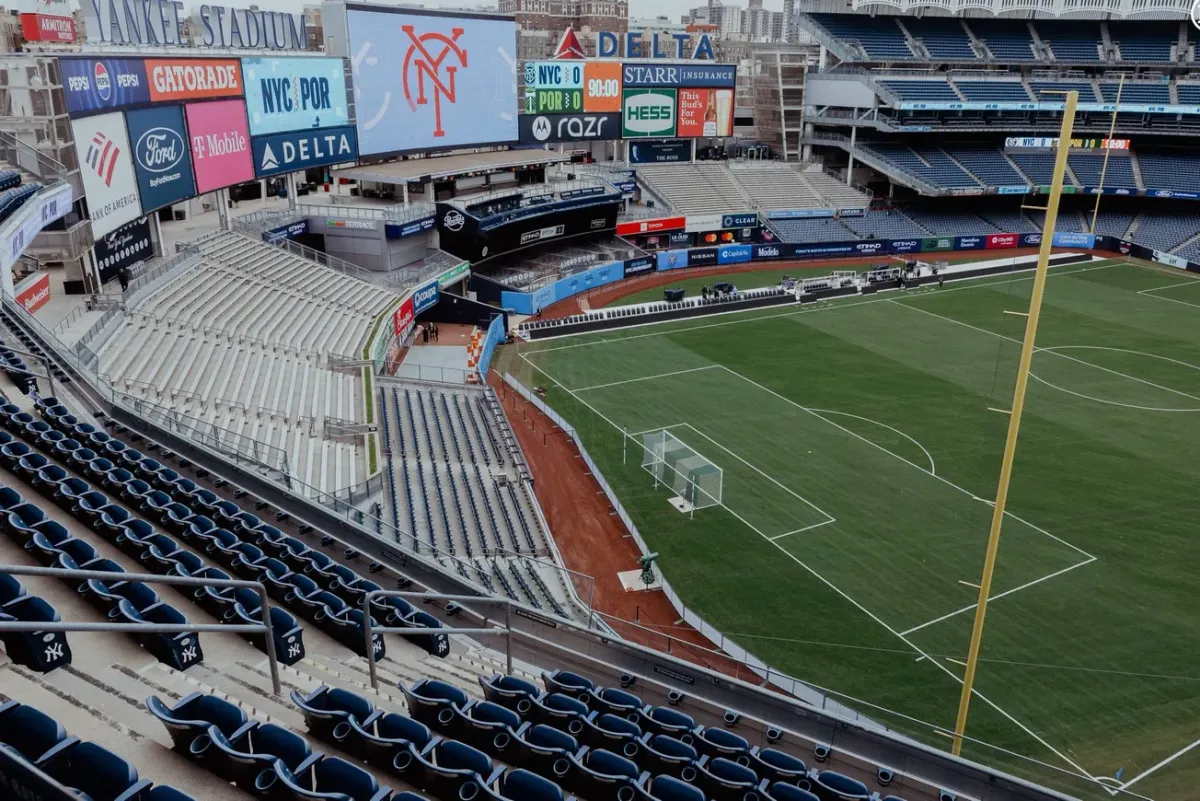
(648, 113)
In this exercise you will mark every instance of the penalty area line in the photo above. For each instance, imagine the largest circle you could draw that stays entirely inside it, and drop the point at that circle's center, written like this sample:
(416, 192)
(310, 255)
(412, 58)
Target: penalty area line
(644, 378)
(806, 528)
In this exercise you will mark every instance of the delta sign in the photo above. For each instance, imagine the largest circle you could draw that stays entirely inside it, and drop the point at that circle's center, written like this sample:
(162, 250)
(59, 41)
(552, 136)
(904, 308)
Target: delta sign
(609, 45)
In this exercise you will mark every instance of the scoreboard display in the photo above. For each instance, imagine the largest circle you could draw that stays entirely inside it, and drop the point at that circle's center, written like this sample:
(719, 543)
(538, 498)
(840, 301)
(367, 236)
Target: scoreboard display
(572, 87)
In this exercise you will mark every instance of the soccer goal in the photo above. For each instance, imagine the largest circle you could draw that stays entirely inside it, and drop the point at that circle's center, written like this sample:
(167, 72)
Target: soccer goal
(694, 481)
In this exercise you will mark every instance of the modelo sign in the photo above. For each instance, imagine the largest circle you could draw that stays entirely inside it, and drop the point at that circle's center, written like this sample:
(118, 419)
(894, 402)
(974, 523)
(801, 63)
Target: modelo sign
(648, 113)
(425, 297)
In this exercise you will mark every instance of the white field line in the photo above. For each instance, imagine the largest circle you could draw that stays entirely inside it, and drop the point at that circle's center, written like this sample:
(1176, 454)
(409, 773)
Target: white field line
(1163, 763)
(838, 590)
(1050, 350)
(825, 306)
(1150, 294)
(998, 596)
(806, 528)
(932, 465)
(767, 476)
(659, 428)
(643, 378)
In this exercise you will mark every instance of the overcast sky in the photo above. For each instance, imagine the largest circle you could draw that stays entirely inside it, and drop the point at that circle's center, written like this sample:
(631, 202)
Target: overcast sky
(638, 8)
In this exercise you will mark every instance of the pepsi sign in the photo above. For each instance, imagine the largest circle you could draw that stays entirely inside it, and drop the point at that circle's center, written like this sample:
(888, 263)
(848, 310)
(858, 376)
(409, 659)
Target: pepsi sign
(93, 85)
(162, 160)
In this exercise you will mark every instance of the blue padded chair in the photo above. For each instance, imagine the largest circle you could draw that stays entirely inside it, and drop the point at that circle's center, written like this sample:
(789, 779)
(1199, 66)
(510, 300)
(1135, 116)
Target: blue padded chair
(334, 576)
(603, 776)
(327, 712)
(190, 719)
(346, 626)
(44, 541)
(510, 691)
(716, 742)
(544, 749)
(198, 527)
(428, 699)
(147, 469)
(664, 720)
(13, 452)
(616, 702)
(486, 726)
(98, 772)
(68, 492)
(180, 651)
(28, 466)
(249, 758)
(778, 766)
(10, 589)
(451, 769)
(560, 711)
(287, 633)
(177, 518)
(49, 477)
(521, 785)
(112, 520)
(245, 557)
(182, 490)
(134, 537)
(37, 650)
(9, 498)
(725, 780)
(835, 786)
(154, 504)
(114, 480)
(79, 459)
(65, 448)
(90, 506)
(663, 754)
(567, 683)
(33, 734)
(330, 779)
(437, 644)
(668, 788)
(611, 732)
(98, 468)
(135, 492)
(782, 791)
(22, 519)
(180, 562)
(392, 740)
(204, 500)
(165, 792)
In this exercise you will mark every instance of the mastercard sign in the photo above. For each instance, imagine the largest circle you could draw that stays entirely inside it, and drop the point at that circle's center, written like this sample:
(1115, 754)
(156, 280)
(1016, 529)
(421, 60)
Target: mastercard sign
(194, 78)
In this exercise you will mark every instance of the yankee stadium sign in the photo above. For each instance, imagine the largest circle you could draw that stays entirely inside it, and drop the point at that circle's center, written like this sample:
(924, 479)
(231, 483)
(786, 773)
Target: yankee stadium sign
(161, 22)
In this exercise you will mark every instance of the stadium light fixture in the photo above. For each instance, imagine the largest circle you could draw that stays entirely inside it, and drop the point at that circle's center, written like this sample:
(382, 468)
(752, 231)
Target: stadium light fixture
(1014, 412)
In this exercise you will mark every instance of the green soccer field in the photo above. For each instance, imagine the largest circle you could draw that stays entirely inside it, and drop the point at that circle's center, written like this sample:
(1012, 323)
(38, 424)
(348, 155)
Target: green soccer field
(860, 450)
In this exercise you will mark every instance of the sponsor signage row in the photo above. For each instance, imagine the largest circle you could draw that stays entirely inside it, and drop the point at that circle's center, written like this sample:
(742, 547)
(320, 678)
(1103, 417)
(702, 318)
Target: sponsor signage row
(34, 292)
(294, 94)
(162, 158)
(798, 214)
(1135, 108)
(411, 228)
(693, 223)
(667, 151)
(299, 150)
(536, 129)
(292, 230)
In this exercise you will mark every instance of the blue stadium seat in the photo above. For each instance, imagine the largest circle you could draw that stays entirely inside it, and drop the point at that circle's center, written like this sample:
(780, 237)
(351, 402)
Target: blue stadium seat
(522, 785)
(327, 712)
(450, 766)
(389, 736)
(603, 775)
(101, 774)
(37, 650)
(833, 785)
(248, 760)
(428, 699)
(33, 734)
(190, 718)
(560, 711)
(778, 766)
(544, 749)
(663, 754)
(725, 780)
(328, 778)
(716, 742)
(611, 732)
(668, 788)
(510, 691)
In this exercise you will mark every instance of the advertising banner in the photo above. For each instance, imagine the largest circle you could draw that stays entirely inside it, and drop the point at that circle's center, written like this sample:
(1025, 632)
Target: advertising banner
(34, 294)
(581, 282)
(871, 248)
(700, 257)
(425, 297)
(587, 191)
(733, 254)
(124, 247)
(162, 159)
(828, 249)
(679, 238)
(704, 222)
(798, 214)
(970, 242)
(905, 246)
(700, 74)
(1012, 190)
(35, 215)
(294, 94)
(705, 112)
(749, 220)
(651, 226)
(289, 231)
(1072, 239)
(671, 151)
(648, 113)
(1031, 240)
(193, 78)
(777, 250)
(519, 302)
(300, 150)
(672, 260)
(1002, 241)
(541, 298)
(106, 165)
(455, 274)
(403, 318)
(852, 212)
(640, 265)
(1169, 259)
(220, 144)
(1174, 193)
(44, 28)
(554, 74)
(535, 129)
(428, 80)
(92, 85)
(410, 228)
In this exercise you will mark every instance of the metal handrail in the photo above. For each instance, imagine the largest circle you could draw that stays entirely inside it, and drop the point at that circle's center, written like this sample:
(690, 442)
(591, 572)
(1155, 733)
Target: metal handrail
(264, 628)
(369, 630)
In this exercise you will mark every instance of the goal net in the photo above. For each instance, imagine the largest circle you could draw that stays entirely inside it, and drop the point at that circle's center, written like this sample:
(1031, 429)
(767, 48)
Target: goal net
(691, 477)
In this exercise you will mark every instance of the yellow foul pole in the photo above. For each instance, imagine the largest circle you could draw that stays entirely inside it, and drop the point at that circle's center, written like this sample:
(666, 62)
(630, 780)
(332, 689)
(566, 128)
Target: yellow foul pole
(1112, 129)
(1014, 414)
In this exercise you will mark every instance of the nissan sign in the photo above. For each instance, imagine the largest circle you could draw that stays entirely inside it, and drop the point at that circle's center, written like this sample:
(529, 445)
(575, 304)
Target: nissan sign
(568, 127)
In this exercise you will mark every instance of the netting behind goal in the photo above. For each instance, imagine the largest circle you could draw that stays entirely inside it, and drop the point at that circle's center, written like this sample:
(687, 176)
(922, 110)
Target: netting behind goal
(680, 468)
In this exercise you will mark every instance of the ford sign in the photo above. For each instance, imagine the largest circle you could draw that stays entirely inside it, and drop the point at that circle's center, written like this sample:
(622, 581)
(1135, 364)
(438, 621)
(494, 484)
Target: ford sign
(159, 149)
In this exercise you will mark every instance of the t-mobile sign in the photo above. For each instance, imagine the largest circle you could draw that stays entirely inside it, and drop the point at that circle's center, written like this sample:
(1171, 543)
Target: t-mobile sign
(220, 140)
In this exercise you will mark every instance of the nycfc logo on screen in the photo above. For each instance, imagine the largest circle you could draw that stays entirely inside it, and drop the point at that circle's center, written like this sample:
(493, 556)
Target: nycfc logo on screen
(420, 61)
(102, 157)
(454, 220)
(159, 149)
